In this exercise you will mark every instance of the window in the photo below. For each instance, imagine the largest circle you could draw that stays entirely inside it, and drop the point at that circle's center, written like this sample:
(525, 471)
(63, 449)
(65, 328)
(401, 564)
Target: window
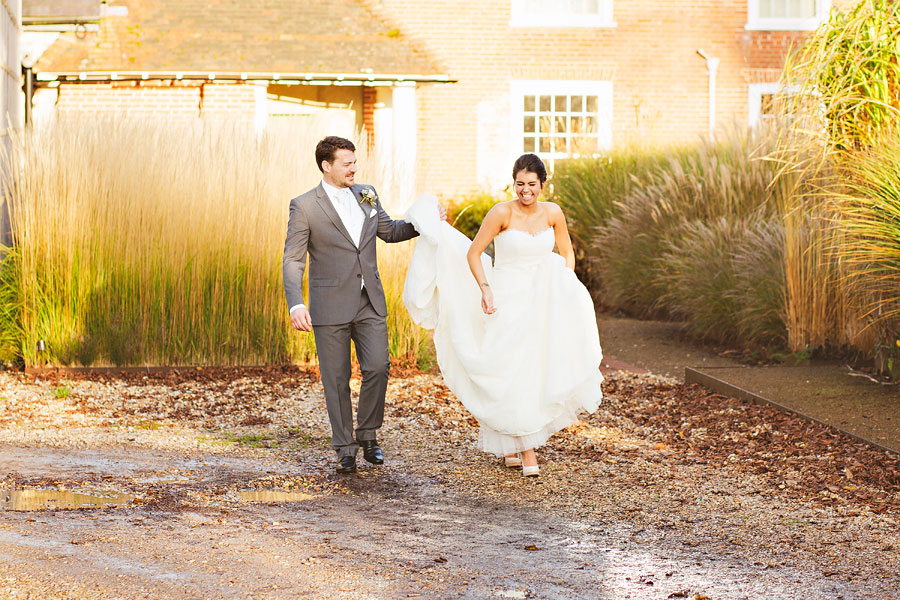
(560, 119)
(562, 13)
(761, 107)
(787, 15)
(767, 100)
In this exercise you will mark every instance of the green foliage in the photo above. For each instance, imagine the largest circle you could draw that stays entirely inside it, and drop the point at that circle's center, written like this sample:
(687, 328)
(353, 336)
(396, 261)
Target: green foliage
(800, 249)
(793, 358)
(61, 391)
(589, 189)
(849, 74)
(467, 213)
(11, 333)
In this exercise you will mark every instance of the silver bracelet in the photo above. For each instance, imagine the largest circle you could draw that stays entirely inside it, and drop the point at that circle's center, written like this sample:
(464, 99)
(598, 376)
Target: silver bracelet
(485, 284)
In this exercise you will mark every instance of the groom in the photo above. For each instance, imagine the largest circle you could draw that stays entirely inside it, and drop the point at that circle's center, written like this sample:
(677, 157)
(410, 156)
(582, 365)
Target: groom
(336, 223)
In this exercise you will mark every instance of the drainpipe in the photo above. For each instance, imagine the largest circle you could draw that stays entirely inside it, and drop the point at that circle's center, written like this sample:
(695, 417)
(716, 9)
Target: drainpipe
(712, 65)
(29, 91)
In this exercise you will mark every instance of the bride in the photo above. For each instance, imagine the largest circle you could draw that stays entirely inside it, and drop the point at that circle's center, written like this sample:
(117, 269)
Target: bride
(518, 344)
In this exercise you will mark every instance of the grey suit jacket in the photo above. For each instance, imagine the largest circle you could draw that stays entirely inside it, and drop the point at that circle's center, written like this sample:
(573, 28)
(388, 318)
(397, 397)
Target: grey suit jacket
(336, 265)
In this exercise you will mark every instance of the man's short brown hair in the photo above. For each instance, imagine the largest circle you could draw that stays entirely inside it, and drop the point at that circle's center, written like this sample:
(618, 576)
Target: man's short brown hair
(328, 147)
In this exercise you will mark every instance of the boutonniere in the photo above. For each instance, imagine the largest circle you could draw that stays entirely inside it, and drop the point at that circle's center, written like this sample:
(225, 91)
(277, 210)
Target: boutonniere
(369, 195)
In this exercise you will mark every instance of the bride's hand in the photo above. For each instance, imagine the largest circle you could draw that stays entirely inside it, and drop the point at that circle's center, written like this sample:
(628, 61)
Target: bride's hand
(487, 301)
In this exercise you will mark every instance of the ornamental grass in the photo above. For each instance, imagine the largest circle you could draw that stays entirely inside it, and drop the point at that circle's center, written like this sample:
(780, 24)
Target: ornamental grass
(159, 242)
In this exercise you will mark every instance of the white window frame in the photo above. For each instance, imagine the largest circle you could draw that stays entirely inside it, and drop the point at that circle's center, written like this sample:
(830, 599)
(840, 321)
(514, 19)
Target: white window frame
(520, 17)
(519, 89)
(755, 93)
(755, 23)
(754, 105)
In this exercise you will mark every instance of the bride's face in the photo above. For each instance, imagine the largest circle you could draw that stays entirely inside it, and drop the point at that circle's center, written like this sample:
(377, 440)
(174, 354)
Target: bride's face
(528, 187)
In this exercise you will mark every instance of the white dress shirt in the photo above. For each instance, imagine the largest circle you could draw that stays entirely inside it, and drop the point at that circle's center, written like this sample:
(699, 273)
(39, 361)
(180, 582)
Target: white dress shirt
(351, 216)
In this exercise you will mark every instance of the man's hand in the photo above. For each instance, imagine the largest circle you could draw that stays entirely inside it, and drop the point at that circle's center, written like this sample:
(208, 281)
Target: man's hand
(442, 211)
(300, 319)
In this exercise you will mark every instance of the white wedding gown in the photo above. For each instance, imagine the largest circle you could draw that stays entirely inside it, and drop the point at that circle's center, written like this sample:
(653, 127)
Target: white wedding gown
(532, 367)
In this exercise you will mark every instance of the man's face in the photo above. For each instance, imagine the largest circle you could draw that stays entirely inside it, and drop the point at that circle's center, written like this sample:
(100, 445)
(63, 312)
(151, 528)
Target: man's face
(341, 172)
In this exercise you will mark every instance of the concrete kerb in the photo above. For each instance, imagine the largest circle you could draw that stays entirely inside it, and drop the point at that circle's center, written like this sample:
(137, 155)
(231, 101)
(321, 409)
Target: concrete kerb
(720, 386)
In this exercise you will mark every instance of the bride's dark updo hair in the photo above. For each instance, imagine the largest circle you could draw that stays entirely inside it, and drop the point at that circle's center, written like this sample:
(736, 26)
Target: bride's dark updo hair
(532, 164)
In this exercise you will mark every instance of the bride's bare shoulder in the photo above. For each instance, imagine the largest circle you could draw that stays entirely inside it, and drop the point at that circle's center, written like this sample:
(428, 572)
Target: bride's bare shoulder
(553, 210)
(551, 206)
(502, 209)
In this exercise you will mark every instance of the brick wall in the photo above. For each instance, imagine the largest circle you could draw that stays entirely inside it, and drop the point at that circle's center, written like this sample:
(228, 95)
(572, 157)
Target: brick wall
(159, 98)
(132, 98)
(368, 116)
(660, 85)
(228, 100)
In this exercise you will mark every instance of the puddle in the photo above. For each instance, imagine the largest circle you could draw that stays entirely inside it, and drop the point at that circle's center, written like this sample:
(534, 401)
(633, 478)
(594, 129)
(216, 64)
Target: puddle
(58, 499)
(167, 479)
(272, 495)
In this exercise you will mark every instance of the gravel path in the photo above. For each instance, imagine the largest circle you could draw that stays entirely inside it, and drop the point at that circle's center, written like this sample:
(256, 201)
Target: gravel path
(667, 491)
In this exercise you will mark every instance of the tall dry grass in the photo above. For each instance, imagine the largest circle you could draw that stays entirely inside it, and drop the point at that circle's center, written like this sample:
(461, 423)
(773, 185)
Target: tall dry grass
(724, 278)
(690, 233)
(870, 220)
(152, 242)
(590, 191)
(842, 103)
(689, 189)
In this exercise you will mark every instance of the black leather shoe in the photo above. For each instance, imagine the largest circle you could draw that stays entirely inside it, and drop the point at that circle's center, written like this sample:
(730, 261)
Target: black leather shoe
(371, 452)
(347, 465)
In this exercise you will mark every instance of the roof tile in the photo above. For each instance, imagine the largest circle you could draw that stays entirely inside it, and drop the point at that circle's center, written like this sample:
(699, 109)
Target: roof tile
(264, 36)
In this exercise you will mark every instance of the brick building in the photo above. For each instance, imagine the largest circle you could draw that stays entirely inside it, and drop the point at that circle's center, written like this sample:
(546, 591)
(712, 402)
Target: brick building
(451, 90)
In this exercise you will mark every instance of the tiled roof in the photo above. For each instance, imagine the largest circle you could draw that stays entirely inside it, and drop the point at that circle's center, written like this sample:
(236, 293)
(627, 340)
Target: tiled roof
(238, 36)
(59, 10)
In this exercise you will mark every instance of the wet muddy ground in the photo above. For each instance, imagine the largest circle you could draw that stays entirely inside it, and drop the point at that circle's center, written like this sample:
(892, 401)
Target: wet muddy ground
(666, 492)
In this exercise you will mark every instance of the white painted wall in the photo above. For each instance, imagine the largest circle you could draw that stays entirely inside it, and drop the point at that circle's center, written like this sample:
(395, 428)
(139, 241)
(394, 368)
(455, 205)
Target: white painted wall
(11, 98)
(11, 107)
(383, 122)
(404, 132)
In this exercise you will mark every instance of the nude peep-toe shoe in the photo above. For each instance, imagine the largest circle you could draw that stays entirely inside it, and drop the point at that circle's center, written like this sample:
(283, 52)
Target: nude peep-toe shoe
(513, 462)
(530, 471)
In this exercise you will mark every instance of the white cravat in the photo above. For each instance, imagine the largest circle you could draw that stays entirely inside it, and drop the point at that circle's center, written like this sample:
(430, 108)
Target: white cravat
(351, 216)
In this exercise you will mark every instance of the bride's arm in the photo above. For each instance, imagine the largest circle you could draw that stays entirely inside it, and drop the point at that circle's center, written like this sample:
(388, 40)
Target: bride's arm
(561, 232)
(490, 227)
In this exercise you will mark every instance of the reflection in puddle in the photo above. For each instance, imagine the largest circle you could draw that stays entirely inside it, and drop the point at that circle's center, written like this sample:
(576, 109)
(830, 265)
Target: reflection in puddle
(271, 495)
(50, 499)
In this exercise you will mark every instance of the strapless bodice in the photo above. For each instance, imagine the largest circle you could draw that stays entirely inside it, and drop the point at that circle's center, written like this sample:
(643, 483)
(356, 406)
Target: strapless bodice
(515, 247)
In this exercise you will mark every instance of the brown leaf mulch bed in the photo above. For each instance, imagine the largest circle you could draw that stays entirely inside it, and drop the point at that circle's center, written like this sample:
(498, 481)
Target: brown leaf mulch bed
(800, 459)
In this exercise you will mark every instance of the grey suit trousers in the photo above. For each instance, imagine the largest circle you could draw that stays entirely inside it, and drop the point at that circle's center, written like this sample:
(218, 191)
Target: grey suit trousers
(369, 333)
